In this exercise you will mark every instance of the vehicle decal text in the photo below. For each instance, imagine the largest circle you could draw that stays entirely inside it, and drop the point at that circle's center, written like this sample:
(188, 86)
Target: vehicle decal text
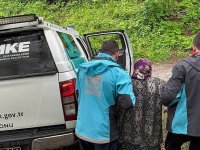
(6, 125)
(11, 115)
(14, 51)
(8, 116)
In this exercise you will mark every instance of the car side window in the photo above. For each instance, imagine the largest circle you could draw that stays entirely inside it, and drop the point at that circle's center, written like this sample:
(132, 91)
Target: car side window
(71, 49)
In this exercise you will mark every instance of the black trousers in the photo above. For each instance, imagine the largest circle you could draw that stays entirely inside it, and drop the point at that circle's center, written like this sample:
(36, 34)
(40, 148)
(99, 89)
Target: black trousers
(174, 141)
(84, 145)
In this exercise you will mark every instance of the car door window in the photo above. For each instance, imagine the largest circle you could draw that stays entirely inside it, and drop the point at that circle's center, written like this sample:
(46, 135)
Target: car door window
(97, 41)
(81, 42)
(94, 41)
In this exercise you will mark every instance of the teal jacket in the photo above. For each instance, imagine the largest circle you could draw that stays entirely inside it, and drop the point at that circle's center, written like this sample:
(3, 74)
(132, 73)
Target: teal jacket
(101, 84)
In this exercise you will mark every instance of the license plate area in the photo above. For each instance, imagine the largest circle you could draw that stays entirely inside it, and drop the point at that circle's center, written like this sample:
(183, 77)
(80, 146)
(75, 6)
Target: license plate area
(11, 148)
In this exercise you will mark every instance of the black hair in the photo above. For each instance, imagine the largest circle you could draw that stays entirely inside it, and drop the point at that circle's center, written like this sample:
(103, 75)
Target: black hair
(196, 41)
(109, 47)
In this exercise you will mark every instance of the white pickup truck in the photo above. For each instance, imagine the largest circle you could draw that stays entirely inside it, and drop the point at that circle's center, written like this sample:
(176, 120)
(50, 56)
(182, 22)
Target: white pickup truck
(38, 64)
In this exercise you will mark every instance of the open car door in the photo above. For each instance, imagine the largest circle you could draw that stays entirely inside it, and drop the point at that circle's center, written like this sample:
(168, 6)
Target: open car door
(95, 40)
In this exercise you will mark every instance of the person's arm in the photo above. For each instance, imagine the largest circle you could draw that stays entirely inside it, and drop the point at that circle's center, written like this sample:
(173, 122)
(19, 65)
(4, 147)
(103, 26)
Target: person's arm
(125, 95)
(171, 92)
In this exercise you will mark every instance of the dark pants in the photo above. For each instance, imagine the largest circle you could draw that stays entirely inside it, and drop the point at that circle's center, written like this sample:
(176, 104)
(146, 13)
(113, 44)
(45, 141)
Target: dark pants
(174, 141)
(84, 145)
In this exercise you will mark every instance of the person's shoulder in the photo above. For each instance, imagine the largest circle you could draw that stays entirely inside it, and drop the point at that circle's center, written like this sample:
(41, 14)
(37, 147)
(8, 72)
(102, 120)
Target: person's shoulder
(181, 66)
(182, 63)
(138, 82)
(120, 74)
(119, 70)
(156, 82)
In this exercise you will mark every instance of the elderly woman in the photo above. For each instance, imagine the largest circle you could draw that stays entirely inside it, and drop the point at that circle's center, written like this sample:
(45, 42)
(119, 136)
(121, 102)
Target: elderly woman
(141, 126)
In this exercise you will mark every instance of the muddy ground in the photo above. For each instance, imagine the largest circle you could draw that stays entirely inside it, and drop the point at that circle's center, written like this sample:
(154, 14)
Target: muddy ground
(163, 70)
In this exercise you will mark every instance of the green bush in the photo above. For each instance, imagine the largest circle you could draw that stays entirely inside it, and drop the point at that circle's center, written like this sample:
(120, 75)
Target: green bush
(157, 28)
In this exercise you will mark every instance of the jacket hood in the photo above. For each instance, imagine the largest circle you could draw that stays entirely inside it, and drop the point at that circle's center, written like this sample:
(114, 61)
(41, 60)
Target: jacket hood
(194, 61)
(103, 63)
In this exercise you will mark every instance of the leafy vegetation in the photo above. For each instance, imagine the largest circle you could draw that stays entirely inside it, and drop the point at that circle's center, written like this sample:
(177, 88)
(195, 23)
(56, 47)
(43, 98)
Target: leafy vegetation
(157, 29)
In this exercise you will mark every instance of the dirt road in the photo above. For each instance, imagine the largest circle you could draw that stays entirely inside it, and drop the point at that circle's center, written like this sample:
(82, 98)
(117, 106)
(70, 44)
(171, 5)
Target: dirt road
(162, 70)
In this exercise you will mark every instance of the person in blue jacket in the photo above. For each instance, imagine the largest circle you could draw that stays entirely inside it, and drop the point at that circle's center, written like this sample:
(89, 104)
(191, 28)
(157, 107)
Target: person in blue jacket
(182, 97)
(101, 85)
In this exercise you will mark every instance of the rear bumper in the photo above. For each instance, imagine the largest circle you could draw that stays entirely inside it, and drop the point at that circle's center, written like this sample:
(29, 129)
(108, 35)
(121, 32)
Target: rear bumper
(50, 137)
(53, 142)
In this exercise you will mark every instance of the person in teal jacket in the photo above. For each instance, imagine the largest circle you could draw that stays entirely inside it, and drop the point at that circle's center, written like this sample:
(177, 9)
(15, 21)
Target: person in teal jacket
(182, 97)
(101, 85)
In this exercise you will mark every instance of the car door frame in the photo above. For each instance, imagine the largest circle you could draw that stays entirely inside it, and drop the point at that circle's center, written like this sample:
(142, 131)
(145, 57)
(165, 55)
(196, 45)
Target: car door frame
(127, 51)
